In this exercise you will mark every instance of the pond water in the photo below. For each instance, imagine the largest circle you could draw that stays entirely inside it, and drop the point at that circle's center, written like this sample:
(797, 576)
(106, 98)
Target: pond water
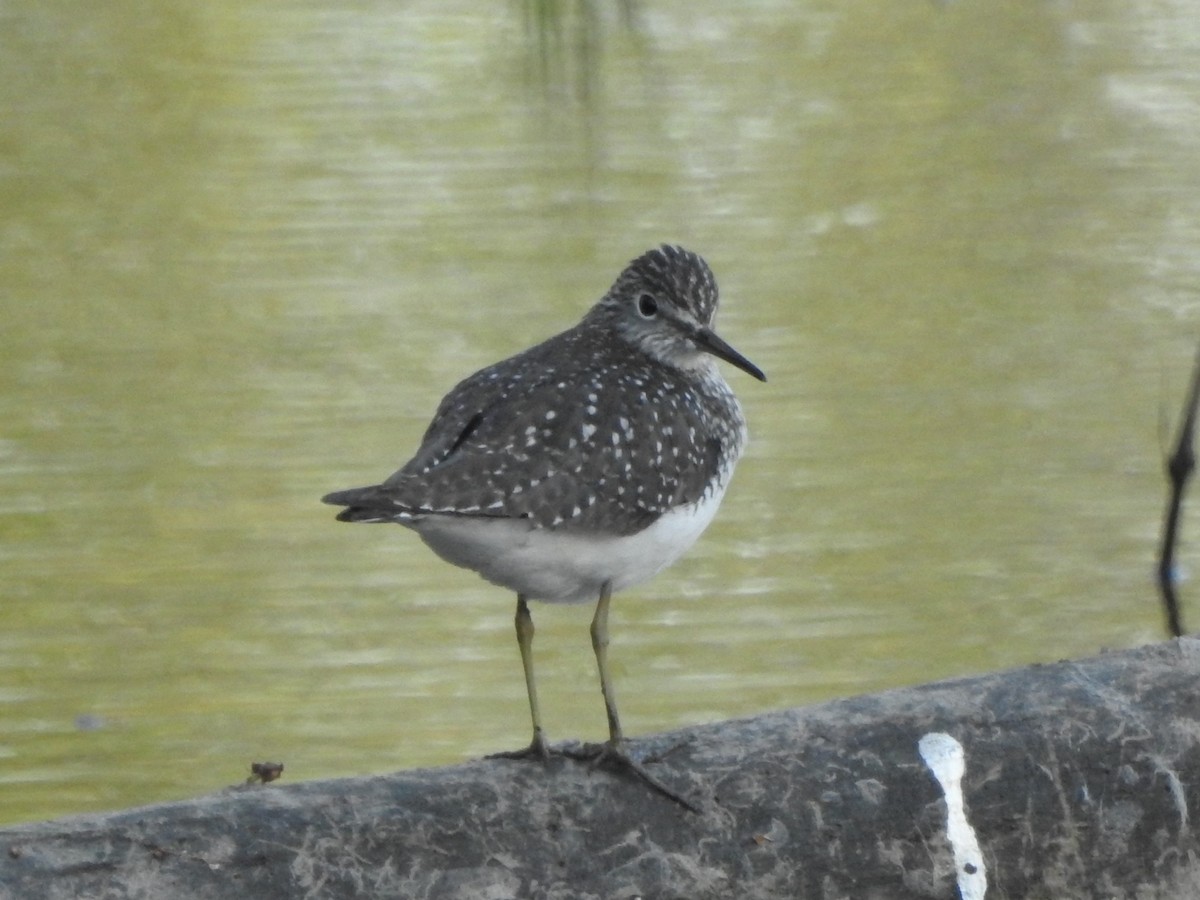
(248, 246)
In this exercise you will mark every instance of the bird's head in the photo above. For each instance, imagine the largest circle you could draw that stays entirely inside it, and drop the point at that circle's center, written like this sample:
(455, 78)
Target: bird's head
(665, 303)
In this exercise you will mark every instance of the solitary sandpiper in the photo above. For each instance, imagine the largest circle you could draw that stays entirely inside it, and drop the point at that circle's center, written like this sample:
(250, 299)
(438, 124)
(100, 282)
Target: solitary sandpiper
(583, 465)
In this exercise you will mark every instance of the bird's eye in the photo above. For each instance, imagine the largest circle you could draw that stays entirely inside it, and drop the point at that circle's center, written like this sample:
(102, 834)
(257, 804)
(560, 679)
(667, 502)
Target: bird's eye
(647, 306)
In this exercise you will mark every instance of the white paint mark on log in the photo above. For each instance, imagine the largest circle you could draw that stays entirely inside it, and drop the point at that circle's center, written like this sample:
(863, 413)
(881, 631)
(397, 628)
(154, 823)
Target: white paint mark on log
(945, 758)
(1178, 795)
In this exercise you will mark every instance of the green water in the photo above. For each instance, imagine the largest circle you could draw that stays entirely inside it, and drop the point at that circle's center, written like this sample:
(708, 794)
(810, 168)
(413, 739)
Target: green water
(246, 247)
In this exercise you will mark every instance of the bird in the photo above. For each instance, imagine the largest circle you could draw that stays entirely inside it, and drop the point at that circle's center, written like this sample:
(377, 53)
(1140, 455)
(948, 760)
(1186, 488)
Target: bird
(583, 465)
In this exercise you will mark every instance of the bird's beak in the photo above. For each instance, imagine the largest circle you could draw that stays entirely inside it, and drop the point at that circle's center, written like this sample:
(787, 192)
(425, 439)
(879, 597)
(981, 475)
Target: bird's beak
(706, 339)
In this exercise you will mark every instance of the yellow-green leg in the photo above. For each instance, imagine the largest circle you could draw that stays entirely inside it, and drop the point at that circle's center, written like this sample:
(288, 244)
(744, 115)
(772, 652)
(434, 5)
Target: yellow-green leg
(524, 623)
(614, 751)
(600, 646)
(538, 746)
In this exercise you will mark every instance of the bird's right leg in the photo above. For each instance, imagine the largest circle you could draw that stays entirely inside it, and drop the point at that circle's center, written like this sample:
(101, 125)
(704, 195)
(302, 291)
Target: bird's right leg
(538, 746)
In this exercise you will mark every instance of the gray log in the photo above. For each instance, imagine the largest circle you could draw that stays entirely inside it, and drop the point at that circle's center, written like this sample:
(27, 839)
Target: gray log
(1080, 779)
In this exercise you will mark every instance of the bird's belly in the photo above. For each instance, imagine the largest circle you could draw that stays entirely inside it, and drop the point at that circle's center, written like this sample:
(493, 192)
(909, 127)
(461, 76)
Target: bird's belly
(562, 566)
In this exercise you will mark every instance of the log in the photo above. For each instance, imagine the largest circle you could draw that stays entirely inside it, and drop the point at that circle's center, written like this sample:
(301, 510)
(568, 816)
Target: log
(1071, 780)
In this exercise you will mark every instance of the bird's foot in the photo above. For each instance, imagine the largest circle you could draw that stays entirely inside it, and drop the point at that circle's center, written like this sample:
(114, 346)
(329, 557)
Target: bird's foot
(537, 749)
(614, 755)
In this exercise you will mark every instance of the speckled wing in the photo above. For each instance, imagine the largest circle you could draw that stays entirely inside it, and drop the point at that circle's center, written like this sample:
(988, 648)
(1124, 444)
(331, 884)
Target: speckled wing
(544, 437)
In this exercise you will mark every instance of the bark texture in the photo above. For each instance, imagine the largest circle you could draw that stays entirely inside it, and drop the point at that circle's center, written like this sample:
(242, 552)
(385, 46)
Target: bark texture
(1072, 780)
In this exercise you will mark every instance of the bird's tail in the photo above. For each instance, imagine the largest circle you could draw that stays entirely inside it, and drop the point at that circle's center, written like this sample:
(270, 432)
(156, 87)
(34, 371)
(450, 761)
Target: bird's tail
(362, 505)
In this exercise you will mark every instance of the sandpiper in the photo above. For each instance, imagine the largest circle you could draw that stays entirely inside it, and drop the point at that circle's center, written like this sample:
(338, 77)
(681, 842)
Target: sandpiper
(583, 465)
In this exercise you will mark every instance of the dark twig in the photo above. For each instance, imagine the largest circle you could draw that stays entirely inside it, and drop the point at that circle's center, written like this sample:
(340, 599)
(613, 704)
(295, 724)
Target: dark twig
(1180, 465)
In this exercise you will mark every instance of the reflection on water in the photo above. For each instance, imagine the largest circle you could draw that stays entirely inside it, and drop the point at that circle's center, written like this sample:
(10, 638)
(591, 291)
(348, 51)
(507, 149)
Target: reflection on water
(247, 248)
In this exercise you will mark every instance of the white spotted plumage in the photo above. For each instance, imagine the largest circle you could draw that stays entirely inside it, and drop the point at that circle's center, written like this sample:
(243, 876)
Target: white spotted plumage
(599, 455)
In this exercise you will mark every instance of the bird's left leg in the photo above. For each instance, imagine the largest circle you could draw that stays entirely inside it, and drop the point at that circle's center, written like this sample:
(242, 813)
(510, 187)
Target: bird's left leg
(614, 750)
